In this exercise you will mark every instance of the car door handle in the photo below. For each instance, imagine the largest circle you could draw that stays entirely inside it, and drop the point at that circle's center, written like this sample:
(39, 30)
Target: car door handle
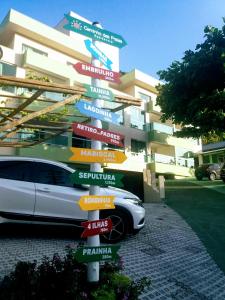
(45, 190)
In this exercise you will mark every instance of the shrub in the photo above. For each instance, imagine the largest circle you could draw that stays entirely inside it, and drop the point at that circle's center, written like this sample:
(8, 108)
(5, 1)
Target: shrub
(65, 278)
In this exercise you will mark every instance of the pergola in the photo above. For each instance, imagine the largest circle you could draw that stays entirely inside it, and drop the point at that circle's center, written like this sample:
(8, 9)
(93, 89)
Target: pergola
(32, 112)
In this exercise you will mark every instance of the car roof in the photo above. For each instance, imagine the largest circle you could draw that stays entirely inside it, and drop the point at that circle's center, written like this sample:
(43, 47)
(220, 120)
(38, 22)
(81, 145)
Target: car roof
(24, 158)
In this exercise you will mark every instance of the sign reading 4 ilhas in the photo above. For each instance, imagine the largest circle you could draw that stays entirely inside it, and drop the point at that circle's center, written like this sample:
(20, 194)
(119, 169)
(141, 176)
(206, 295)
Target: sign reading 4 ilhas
(94, 32)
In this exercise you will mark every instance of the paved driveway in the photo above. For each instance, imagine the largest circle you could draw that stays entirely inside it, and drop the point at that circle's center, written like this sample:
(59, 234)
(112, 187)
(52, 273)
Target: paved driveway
(166, 250)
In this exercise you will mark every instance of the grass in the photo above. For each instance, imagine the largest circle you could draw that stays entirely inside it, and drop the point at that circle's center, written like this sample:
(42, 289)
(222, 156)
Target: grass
(202, 205)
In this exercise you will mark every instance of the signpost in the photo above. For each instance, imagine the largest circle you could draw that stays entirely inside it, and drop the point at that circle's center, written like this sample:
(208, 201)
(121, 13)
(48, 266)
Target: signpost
(95, 202)
(96, 227)
(89, 254)
(98, 134)
(97, 178)
(97, 156)
(98, 93)
(97, 53)
(95, 72)
(86, 108)
(94, 32)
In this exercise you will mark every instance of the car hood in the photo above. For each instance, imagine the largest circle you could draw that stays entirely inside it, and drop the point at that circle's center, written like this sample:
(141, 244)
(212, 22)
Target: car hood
(120, 193)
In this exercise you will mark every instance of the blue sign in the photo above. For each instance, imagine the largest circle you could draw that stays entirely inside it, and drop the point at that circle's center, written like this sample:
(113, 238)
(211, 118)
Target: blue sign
(92, 111)
(98, 54)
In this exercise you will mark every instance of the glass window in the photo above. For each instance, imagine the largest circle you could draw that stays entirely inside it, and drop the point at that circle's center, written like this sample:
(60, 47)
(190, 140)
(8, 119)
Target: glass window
(144, 97)
(50, 174)
(26, 47)
(80, 142)
(138, 146)
(137, 118)
(16, 170)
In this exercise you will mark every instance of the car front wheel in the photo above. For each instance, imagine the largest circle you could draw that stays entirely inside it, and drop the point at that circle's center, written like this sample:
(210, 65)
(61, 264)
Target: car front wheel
(212, 176)
(119, 226)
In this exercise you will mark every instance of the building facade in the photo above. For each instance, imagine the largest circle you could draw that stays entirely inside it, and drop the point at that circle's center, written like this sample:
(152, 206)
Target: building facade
(31, 47)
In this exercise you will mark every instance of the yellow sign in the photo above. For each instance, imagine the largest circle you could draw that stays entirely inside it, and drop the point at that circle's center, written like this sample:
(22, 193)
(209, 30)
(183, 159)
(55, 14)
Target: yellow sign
(96, 202)
(98, 156)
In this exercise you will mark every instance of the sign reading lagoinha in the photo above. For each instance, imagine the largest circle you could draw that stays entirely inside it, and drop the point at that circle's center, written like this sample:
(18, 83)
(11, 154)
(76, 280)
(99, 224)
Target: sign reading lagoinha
(90, 254)
(94, 32)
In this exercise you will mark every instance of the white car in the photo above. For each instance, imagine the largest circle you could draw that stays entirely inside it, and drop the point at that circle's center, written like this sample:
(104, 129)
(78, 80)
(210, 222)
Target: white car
(40, 191)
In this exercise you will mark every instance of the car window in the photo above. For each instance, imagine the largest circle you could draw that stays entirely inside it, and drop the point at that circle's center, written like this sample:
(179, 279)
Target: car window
(16, 170)
(49, 174)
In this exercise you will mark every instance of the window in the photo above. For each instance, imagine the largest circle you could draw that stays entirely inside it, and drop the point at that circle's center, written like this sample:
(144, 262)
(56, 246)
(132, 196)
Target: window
(26, 47)
(80, 142)
(137, 118)
(138, 147)
(144, 97)
(16, 170)
(50, 174)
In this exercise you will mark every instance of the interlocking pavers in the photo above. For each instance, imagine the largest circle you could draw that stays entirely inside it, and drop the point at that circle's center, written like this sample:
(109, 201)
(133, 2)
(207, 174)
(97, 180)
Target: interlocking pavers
(166, 250)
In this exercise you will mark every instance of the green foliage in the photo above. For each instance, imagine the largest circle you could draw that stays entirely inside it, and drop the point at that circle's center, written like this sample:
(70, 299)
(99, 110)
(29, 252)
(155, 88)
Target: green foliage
(193, 94)
(65, 278)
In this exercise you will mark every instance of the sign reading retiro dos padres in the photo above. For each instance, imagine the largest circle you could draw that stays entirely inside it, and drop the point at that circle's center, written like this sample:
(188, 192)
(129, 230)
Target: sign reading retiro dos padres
(98, 156)
(94, 32)
(98, 134)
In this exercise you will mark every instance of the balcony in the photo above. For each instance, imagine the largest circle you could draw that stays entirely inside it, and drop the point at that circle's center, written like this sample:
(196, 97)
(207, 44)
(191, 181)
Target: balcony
(164, 164)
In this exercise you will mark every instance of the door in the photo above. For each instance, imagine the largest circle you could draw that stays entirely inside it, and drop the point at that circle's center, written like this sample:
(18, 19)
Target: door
(55, 195)
(17, 191)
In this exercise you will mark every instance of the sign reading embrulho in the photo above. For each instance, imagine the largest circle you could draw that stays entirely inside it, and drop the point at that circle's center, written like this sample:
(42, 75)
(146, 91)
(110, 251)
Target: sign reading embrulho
(97, 178)
(94, 32)
(98, 134)
(95, 72)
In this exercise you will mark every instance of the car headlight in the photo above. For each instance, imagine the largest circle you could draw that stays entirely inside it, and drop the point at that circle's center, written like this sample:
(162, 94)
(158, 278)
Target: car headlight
(135, 201)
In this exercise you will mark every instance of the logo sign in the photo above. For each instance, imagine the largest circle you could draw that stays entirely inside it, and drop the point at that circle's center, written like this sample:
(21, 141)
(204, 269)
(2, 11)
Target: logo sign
(96, 227)
(97, 53)
(94, 32)
(95, 72)
(97, 178)
(93, 202)
(98, 156)
(91, 254)
(98, 93)
(98, 134)
(93, 111)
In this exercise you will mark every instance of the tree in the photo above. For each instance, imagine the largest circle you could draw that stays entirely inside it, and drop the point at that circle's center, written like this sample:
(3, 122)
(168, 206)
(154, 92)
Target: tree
(193, 95)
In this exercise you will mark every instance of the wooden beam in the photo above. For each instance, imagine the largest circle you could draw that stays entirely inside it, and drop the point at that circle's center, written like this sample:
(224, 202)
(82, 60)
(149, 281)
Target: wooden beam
(23, 105)
(9, 134)
(38, 113)
(5, 117)
(41, 85)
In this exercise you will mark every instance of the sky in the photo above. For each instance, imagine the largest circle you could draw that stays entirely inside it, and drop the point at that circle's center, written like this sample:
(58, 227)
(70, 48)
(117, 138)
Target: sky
(157, 32)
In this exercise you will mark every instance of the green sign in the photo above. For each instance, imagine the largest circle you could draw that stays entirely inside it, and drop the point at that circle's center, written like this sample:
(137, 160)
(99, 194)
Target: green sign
(97, 178)
(91, 254)
(94, 32)
(98, 93)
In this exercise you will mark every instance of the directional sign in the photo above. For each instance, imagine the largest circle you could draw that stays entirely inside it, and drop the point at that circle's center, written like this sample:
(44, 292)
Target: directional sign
(93, 202)
(91, 254)
(94, 32)
(97, 178)
(96, 227)
(98, 134)
(98, 93)
(86, 108)
(95, 72)
(98, 156)
(97, 53)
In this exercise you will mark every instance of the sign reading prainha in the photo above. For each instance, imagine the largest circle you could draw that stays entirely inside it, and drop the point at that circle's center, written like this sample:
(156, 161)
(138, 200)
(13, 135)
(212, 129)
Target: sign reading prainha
(94, 32)
(91, 254)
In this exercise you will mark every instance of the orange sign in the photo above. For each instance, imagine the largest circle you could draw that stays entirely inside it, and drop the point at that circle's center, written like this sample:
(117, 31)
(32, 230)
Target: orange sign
(98, 156)
(96, 202)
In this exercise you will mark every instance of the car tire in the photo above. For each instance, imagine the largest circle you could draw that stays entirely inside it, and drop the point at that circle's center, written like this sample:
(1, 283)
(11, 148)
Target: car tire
(212, 176)
(119, 223)
(198, 177)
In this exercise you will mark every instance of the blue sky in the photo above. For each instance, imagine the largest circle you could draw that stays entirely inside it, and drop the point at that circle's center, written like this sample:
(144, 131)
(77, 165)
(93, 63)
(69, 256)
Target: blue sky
(157, 31)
